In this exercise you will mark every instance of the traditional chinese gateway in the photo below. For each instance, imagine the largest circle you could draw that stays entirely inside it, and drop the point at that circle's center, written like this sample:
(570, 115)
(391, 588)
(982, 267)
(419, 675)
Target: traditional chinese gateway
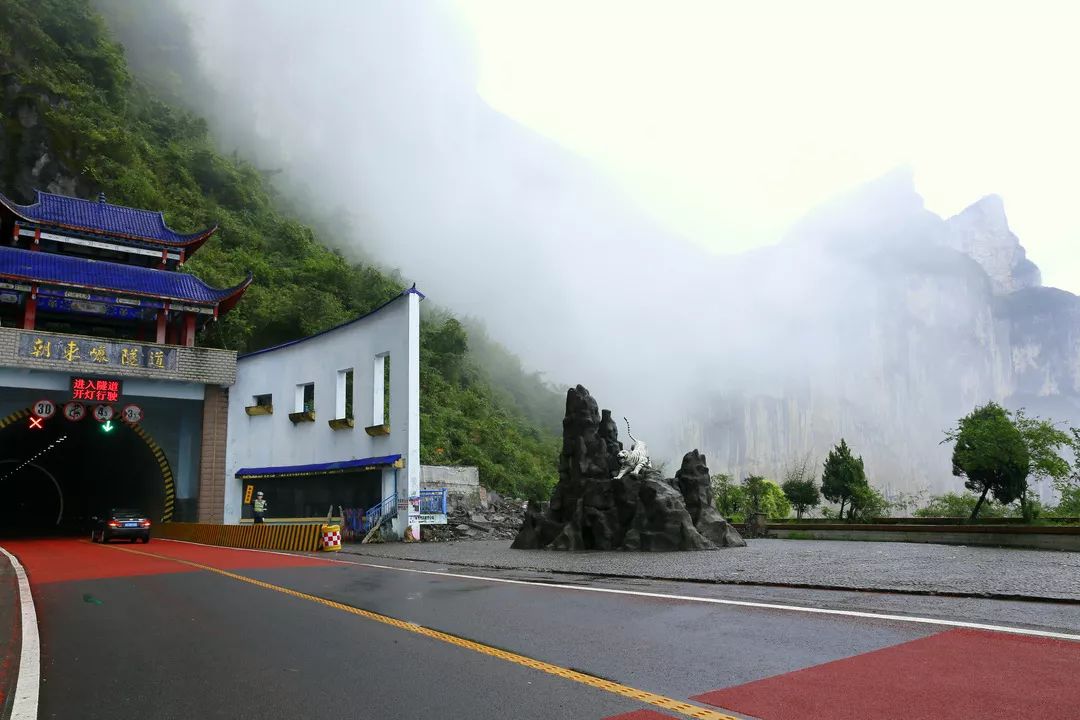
(106, 400)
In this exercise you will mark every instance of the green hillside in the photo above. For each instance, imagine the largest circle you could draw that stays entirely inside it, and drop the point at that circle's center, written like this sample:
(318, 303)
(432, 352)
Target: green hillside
(74, 119)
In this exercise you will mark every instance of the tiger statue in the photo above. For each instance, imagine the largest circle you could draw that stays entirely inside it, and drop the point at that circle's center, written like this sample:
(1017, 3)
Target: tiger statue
(634, 460)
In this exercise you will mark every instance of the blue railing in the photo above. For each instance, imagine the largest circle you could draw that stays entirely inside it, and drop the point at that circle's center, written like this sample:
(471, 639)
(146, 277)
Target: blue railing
(356, 522)
(433, 501)
(374, 515)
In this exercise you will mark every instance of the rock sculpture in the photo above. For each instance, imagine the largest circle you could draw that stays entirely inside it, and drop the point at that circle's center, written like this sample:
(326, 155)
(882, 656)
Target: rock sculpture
(609, 498)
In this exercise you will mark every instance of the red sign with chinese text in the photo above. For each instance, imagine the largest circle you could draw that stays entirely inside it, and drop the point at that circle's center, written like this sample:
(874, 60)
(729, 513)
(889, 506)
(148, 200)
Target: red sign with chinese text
(96, 389)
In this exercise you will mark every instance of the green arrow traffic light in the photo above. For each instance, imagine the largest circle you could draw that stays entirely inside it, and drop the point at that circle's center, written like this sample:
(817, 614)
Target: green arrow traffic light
(107, 426)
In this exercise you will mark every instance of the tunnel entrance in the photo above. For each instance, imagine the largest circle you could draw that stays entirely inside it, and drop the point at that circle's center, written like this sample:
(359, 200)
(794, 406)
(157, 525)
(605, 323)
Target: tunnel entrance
(57, 474)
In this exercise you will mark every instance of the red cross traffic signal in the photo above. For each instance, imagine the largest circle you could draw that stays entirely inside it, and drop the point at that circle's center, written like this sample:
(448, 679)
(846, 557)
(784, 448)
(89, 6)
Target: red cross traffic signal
(37, 423)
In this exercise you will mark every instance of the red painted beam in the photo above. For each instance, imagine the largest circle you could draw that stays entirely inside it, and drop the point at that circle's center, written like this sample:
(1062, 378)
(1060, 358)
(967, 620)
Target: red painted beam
(187, 334)
(161, 322)
(30, 311)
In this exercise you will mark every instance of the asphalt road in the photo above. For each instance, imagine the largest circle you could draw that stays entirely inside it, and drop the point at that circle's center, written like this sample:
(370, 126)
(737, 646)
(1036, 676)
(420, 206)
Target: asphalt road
(838, 564)
(173, 630)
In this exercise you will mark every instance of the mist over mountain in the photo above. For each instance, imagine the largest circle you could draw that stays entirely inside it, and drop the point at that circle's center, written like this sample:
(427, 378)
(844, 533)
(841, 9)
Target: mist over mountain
(874, 319)
(883, 323)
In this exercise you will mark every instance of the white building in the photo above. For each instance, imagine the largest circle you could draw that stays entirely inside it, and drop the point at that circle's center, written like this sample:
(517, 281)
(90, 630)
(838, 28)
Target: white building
(331, 420)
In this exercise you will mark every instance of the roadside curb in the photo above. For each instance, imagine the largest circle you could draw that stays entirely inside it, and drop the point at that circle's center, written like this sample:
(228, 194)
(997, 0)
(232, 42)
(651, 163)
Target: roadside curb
(10, 641)
(27, 685)
(1015, 597)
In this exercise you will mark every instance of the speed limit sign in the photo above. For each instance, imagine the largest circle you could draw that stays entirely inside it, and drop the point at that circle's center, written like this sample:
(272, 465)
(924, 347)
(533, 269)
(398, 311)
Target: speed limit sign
(44, 409)
(131, 414)
(103, 413)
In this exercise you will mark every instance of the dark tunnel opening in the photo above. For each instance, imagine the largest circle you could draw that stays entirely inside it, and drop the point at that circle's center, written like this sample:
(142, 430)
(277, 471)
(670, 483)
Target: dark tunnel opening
(53, 479)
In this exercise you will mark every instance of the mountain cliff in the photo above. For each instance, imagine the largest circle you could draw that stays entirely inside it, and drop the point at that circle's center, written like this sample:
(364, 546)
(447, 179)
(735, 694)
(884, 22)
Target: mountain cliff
(884, 323)
(875, 319)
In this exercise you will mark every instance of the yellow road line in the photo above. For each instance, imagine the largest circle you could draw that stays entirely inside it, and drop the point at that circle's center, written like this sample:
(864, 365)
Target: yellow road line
(643, 696)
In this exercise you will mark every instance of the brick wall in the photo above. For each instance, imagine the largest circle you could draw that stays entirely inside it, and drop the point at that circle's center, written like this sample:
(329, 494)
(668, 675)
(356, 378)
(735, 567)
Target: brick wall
(193, 364)
(212, 460)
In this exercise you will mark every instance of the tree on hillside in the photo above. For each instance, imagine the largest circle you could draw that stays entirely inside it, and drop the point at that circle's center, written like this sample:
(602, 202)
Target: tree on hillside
(799, 487)
(868, 503)
(803, 495)
(754, 486)
(991, 454)
(1044, 441)
(1069, 502)
(842, 476)
(728, 496)
(765, 496)
(958, 505)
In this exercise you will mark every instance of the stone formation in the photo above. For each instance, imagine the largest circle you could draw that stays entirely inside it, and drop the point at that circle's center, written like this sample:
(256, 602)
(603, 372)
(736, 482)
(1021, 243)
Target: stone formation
(608, 498)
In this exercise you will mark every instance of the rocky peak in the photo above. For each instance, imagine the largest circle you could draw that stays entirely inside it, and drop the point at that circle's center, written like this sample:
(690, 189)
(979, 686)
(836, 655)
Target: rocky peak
(982, 232)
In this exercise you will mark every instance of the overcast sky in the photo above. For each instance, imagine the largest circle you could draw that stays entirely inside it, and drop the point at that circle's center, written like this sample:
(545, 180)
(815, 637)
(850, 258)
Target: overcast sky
(727, 121)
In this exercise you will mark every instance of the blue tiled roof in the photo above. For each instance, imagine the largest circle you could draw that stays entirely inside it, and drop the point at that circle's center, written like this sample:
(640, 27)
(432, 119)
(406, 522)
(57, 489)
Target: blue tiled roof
(100, 217)
(50, 268)
(317, 468)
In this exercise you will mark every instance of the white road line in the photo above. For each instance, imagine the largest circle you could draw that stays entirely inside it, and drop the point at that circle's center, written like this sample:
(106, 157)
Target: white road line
(697, 599)
(25, 706)
(739, 603)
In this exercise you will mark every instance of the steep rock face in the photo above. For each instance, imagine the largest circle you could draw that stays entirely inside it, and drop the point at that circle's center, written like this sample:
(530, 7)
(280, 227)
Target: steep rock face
(29, 159)
(892, 324)
(1044, 330)
(982, 232)
(591, 510)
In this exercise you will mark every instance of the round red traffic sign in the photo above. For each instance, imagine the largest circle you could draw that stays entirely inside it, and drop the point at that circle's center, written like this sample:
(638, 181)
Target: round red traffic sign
(103, 413)
(44, 408)
(131, 414)
(74, 411)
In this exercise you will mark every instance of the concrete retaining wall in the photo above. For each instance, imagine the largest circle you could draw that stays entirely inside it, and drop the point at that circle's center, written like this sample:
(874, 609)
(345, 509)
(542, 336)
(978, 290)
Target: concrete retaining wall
(1042, 538)
(462, 480)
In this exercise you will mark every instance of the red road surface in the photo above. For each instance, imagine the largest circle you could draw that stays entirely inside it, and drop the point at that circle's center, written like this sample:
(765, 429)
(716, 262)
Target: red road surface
(50, 561)
(959, 674)
(950, 675)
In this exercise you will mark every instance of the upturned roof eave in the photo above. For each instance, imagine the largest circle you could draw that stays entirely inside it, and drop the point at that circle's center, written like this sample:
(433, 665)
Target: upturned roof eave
(223, 299)
(189, 243)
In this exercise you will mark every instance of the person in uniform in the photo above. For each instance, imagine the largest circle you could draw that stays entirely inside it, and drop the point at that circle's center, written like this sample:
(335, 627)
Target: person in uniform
(259, 507)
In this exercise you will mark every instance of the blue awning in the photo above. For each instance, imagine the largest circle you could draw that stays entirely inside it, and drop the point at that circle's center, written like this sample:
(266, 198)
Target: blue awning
(318, 468)
(67, 270)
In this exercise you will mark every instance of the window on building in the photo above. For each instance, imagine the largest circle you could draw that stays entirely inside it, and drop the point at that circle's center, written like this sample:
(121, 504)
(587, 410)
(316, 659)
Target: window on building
(264, 400)
(386, 391)
(344, 409)
(381, 390)
(305, 398)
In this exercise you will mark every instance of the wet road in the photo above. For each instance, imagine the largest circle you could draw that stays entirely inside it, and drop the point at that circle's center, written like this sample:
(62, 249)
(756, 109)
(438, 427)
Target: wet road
(173, 630)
